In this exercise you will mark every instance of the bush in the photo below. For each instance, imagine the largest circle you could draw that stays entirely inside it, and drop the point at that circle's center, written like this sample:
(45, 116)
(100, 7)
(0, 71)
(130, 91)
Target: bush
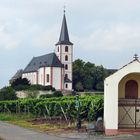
(46, 96)
(20, 81)
(21, 87)
(7, 93)
(57, 94)
(33, 87)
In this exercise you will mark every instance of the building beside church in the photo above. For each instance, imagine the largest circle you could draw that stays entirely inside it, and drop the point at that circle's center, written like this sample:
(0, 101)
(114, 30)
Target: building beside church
(122, 100)
(55, 68)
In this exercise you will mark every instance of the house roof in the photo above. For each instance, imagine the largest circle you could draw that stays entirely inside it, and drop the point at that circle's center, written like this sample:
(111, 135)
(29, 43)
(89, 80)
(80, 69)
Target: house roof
(64, 35)
(48, 60)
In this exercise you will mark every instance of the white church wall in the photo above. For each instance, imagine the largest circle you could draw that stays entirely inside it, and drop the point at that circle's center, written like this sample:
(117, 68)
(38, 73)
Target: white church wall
(30, 76)
(41, 76)
(57, 78)
(47, 71)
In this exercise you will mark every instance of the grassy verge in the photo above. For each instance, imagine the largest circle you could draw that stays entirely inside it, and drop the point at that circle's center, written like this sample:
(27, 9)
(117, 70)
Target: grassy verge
(14, 117)
(26, 121)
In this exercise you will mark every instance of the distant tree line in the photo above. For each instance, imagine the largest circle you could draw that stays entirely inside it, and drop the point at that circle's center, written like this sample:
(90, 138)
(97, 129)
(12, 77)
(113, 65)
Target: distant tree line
(88, 76)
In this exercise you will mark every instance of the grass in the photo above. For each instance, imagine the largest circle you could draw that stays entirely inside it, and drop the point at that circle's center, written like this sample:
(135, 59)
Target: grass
(25, 121)
(40, 127)
(14, 117)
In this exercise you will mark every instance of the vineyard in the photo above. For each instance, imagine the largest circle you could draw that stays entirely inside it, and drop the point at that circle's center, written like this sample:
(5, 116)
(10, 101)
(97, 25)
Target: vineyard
(64, 107)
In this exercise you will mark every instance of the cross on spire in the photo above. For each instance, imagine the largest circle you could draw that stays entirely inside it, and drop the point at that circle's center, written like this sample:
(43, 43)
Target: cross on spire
(135, 57)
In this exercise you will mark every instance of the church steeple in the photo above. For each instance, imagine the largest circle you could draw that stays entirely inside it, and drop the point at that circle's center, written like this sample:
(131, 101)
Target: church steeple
(64, 52)
(64, 35)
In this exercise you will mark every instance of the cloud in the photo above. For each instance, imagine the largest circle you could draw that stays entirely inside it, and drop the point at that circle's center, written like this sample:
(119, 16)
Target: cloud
(46, 37)
(98, 28)
(116, 37)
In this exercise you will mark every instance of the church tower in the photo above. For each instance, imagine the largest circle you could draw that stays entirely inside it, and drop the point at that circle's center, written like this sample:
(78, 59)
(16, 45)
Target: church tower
(64, 51)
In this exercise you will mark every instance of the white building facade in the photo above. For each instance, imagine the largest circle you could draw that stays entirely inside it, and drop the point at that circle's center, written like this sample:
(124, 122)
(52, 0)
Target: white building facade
(53, 69)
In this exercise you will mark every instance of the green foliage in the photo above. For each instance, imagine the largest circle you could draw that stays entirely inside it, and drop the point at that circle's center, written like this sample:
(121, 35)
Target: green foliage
(79, 86)
(46, 96)
(90, 107)
(7, 93)
(40, 87)
(33, 87)
(57, 94)
(15, 117)
(87, 76)
(20, 82)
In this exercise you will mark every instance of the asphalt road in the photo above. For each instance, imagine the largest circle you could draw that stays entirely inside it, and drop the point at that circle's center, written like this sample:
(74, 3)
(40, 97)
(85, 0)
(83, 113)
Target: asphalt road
(13, 132)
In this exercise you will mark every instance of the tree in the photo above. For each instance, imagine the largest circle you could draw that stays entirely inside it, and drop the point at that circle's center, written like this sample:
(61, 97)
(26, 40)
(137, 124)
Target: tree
(7, 93)
(78, 71)
(20, 83)
(88, 76)
(79, 86)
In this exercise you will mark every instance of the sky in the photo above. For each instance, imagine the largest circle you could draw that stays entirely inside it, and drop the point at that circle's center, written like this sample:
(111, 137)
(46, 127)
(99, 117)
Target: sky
(104, 32)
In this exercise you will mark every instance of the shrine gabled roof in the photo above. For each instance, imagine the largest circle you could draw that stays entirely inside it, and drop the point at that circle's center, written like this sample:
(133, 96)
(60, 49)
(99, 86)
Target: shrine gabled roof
(130, 63)
(131, 67)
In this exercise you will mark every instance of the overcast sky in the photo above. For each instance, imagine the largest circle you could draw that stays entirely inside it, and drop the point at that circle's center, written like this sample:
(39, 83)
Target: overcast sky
(104, 32)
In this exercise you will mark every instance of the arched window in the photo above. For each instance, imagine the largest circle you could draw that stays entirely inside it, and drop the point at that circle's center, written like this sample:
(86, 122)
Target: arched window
(131, 89)
(66, 85)
(58, 49)
(66, 75)
(66, 58)
(48, 78)
(66, 67)
(66, 49)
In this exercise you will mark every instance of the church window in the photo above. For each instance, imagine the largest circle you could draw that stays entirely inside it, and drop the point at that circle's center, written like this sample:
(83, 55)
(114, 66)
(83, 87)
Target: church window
(58, 49)
(66, 49)
(48, 78)
(66, 58)
(66, 85)
(66, 75)
(66, 67)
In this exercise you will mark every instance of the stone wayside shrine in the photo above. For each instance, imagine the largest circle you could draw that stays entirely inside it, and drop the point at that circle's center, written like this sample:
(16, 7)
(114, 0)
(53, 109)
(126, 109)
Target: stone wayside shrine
(122, 100)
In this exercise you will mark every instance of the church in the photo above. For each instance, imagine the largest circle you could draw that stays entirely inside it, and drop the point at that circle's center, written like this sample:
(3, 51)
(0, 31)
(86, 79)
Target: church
(55, 68)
